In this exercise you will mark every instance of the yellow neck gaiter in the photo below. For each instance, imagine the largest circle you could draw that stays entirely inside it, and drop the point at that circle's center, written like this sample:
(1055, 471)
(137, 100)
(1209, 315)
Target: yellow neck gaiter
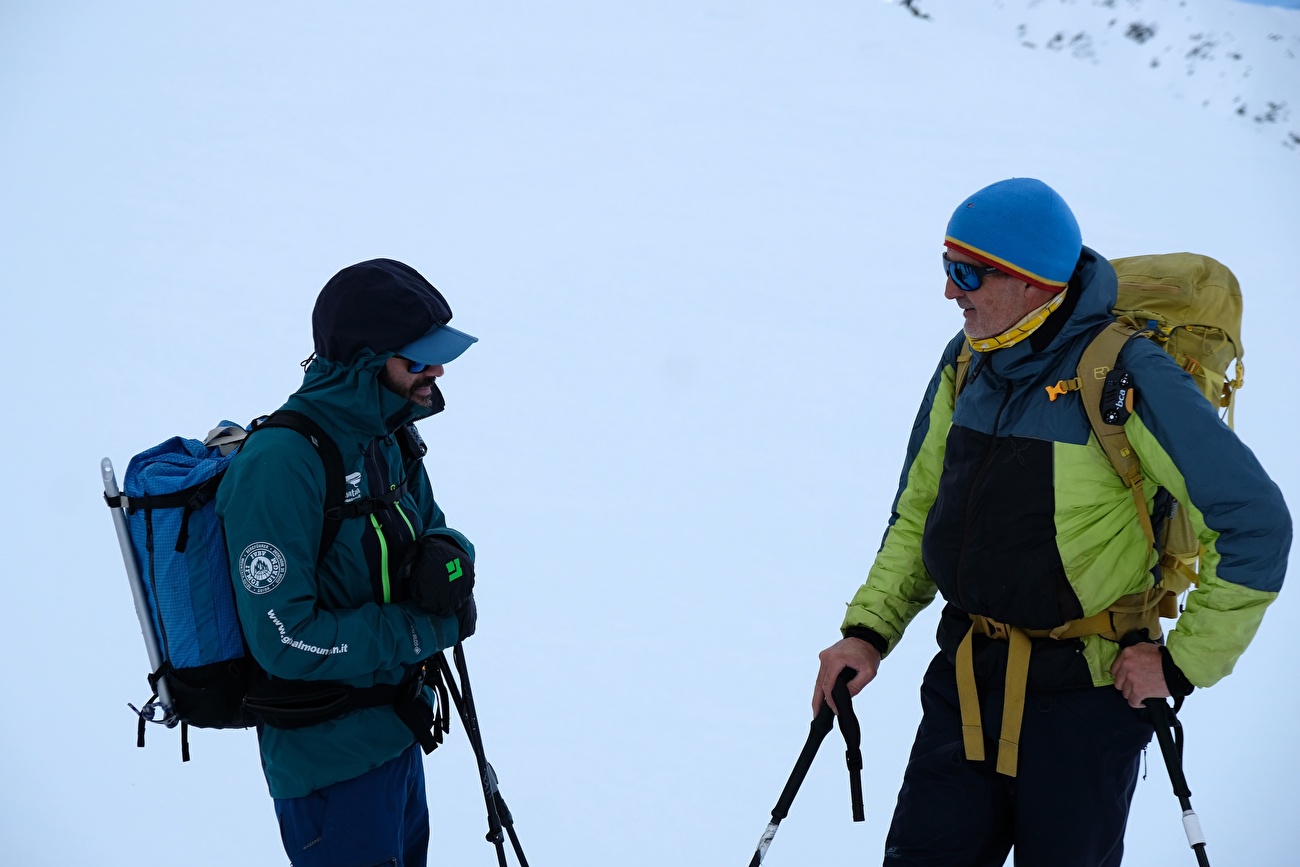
(1021, 329)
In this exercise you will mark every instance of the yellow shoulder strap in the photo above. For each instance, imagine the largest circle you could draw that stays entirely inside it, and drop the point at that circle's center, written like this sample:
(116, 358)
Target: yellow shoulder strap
(1098, 359)
(963, 366)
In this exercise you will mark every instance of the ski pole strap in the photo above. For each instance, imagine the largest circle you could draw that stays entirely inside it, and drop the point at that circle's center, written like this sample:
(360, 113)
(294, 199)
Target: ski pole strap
(817, 731)
(1162, 719)
(498, 813)
(852, 732)
(464, 699)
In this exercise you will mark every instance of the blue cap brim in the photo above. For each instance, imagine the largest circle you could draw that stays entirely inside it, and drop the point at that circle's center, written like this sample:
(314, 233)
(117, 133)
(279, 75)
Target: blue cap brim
(439, 346)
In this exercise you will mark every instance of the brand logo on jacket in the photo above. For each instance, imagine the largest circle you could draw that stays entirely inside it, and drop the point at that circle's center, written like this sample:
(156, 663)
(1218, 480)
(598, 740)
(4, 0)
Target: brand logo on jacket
(353, 481)
(262, 567)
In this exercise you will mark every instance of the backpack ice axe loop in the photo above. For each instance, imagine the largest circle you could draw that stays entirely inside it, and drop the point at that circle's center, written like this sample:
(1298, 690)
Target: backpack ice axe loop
(819, 728)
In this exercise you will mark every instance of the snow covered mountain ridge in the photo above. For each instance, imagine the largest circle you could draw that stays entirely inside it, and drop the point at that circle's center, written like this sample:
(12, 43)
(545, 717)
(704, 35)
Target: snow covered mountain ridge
(1235, 59)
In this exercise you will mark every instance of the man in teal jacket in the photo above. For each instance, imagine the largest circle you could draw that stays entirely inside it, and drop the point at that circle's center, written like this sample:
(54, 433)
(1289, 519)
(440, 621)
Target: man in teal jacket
(349, 789)
(1009, 509)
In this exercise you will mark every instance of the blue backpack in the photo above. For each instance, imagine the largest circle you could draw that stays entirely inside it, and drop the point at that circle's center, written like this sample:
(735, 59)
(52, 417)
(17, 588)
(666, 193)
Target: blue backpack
(174, 549)
(170, 504)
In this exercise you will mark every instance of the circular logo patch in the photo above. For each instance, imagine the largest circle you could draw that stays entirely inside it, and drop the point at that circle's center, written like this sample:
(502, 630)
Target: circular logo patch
(262, 567)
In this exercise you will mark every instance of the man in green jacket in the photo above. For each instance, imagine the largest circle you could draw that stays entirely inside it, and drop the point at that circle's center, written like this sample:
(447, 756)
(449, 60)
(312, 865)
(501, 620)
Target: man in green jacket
(351, 603)
(1009, 509)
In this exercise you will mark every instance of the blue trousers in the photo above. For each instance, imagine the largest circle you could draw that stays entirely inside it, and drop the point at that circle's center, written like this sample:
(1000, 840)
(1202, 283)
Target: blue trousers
(1067, 806)
(380, 817)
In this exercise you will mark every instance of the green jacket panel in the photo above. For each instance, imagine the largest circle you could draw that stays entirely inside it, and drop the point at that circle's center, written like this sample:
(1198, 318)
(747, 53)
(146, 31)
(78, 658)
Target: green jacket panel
(898, 587)
(1103, 549)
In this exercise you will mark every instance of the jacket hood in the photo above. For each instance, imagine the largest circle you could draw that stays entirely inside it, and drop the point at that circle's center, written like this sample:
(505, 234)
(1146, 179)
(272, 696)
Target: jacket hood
(380, 305)
(351, 403)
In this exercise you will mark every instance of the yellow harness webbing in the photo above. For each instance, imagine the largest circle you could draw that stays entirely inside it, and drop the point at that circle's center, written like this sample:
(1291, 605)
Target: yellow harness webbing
(1140, 609)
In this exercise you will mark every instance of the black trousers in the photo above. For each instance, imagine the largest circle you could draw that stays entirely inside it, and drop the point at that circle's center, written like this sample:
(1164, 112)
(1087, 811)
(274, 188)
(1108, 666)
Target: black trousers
(1068, 805)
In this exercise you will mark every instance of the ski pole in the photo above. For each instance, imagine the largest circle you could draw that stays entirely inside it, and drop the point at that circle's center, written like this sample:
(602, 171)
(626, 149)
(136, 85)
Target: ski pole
(114, 498)
(498, 813)
(1165, 720)
(817, 731)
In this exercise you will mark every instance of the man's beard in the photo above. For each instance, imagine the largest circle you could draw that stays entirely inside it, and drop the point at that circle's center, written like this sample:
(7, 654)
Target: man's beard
(409, 393)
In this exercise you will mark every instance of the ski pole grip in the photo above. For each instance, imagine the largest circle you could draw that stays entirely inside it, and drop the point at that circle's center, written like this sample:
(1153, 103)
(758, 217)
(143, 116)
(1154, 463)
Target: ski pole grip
(1159, 710)
(817, 731)
(840, 691)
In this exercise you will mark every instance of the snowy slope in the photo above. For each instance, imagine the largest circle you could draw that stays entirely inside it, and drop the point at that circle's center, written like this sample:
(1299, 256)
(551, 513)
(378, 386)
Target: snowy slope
(1237, 61)
(699, 243)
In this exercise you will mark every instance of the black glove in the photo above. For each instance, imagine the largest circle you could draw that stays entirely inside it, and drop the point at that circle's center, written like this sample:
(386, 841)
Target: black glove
(438, 575)
(467, 618)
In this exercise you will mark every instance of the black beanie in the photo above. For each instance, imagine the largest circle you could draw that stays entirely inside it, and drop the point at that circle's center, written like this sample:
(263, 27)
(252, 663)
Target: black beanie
(380, 305)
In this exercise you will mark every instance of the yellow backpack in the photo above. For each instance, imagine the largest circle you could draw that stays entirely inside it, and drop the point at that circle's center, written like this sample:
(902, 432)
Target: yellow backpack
(1191, 306)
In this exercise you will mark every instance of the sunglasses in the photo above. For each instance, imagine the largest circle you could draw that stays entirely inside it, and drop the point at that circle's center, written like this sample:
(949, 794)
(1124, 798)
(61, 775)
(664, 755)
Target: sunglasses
(415, 366)
(966, 275)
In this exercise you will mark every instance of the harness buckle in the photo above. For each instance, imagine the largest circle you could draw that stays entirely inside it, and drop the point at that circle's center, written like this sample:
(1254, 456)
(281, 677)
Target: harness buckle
(994, 629)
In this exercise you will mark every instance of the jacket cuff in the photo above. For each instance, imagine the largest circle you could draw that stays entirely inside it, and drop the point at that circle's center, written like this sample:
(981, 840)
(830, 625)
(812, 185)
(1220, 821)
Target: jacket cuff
(429, 632)
(870, 636)
(1179, 685)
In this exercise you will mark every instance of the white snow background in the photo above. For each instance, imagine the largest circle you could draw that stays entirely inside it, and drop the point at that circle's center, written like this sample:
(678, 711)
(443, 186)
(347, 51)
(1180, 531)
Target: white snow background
(700, 245)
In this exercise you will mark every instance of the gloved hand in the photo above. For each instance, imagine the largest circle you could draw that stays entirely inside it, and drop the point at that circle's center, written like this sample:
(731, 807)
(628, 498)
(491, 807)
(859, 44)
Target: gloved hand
(438, 575)
(467, 618)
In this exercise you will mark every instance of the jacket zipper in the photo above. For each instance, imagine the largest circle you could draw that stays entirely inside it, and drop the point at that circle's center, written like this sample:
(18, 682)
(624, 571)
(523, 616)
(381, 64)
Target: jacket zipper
(402, 512)
(383, 558)
(379, 479)
(375, 471)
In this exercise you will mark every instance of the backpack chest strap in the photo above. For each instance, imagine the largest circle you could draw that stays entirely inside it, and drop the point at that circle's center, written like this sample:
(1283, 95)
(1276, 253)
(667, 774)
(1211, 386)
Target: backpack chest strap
(370, 505)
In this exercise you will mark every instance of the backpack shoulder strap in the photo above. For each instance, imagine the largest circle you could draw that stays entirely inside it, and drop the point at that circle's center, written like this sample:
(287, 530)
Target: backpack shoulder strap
(330, 457)
(1099, 359)
(963, 367)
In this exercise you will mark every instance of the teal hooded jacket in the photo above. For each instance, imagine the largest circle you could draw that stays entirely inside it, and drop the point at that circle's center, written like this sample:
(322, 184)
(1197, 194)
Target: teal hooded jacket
(337, 621)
